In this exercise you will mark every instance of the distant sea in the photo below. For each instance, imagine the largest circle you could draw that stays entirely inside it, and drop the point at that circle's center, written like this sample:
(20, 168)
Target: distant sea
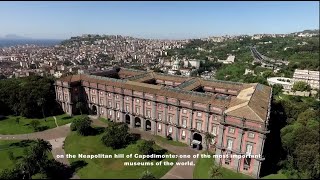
(39, 42)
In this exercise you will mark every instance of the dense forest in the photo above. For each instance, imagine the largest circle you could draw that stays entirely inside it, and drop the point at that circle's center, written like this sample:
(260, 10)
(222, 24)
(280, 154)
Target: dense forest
(31, 97)
(292, 147)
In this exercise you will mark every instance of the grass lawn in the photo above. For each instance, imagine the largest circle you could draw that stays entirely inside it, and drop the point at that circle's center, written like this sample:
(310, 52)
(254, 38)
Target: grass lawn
(275, 176)
(172, 142)
(16, 147)
(10, 126)
(104, 120)
(201, 170)
(108, 168)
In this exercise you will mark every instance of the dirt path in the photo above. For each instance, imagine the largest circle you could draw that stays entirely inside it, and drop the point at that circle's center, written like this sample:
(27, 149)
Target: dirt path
(55, 136)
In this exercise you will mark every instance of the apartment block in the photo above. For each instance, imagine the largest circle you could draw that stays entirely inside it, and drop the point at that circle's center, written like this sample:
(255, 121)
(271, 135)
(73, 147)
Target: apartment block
(310, 77)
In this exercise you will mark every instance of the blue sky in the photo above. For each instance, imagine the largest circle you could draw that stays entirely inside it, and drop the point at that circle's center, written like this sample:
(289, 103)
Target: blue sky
(61, 20)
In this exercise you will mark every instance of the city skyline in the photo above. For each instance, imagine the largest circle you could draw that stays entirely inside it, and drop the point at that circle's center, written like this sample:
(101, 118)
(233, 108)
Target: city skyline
(157, 20)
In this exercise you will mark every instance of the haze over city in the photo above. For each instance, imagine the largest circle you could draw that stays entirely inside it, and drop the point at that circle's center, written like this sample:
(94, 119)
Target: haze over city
(164, 20)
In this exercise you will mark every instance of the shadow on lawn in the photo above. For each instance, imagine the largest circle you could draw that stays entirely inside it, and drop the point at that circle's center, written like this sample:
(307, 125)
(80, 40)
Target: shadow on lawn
(158, 152)
(57, 170)
(67, 117)
(76, 165)
(23, 143)
(93, 131)
(42, 128)
(3, 117)
(134, 137)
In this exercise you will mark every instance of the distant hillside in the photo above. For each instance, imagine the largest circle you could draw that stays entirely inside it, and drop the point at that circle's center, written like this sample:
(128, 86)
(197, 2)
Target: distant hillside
(315, 31)
(13, 36)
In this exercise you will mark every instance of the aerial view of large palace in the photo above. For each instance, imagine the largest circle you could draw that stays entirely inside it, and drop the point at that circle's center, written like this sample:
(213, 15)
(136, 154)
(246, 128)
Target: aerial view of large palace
(184, 108)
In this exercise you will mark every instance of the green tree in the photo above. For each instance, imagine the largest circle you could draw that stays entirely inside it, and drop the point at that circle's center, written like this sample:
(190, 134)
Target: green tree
(146, 147)
(267, 74)
(35, 124)
(215, 172)
(158, 70)
(2, 76)
(307, 115)
(12, 173)
(116, 136)
(301, 142)
(24, 96)
(17, 120)
(79, 106)
(276, 89)
(15, 109)
(41, 103)
(147, 175)
(82, 125)
(208, 138)
(11, 156)
(301, 86)
(36, 161)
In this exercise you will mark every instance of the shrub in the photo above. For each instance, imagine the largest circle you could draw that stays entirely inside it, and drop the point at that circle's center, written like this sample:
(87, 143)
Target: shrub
(146, 147)
(35, 124)
(82, 125)
(116, 135)
(147, 175)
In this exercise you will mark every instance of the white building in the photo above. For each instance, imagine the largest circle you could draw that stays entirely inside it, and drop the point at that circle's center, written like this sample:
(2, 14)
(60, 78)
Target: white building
(310, 77)
(286, 83)
(57, 74)
(249, 71)
(229, 60)
(175, 67)
(191, 63)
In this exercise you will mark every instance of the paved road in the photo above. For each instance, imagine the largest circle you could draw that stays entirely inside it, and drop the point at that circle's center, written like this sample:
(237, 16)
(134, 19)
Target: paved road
(54, 133)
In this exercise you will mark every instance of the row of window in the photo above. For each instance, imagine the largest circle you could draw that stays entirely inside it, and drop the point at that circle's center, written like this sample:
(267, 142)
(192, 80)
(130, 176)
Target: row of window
(248, 146)
(66, 97)
(231, 130)
(183, 132)
(184, 111)
(247, 161)
(110, 113)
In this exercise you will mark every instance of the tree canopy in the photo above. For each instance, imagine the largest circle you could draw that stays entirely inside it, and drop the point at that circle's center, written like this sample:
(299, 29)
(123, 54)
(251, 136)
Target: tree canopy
(82, 125)
(21, 96)
(36, 161)
(301, 86)
(116, 136)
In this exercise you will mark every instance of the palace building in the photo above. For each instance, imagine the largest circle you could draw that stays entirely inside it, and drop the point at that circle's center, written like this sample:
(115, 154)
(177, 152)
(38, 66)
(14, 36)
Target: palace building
(184, 108)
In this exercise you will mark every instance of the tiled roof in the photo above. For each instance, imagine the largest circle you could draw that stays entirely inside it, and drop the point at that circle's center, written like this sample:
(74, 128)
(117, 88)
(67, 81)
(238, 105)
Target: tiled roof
(254, 105)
